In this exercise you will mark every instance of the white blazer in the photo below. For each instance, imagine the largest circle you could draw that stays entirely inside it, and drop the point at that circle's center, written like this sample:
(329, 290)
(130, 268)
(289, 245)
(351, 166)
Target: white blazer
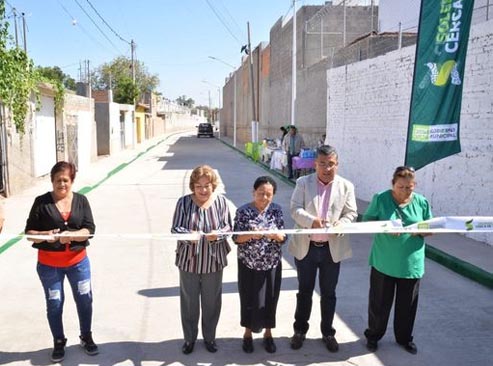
(304, 208)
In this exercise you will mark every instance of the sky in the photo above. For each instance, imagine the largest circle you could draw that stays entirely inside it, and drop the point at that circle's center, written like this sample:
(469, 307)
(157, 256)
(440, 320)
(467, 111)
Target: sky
(174, 38)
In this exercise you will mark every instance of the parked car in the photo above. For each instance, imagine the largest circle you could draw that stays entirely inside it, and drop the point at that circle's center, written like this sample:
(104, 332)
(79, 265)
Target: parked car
(205, 129)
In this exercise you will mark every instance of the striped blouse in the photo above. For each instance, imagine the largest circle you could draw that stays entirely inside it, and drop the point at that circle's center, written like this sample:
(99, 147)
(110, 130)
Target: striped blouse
(202, 256)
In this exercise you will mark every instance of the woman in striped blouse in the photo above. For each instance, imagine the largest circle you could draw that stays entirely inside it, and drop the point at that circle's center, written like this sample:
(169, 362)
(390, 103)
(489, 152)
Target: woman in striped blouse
(201, 262)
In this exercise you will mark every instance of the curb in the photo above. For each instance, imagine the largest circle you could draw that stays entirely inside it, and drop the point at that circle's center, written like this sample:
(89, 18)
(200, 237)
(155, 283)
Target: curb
(451, 262)
(459, 266)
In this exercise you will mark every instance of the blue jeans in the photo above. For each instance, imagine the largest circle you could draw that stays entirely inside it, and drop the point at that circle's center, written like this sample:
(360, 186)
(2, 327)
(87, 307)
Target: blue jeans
(79, 277)
(328, 274)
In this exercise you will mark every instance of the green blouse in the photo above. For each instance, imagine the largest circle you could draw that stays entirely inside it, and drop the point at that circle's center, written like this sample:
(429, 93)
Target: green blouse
(401, 256)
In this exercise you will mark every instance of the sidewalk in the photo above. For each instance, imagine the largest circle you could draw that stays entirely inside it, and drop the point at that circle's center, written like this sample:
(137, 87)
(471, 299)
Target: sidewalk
(468, 257)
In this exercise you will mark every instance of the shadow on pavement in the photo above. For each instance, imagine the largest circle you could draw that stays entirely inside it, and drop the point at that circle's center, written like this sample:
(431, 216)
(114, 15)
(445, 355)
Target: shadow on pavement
(169, 352)
(288, 284)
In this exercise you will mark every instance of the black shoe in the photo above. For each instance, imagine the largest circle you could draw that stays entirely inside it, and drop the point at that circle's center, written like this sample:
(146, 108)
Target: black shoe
(331, 343)
(410, 347)
(247, 344)
(269, 345)
(297, 340)
(187, 347)
(58, 353)
(88, 344)
(371, 345)
(211, 346)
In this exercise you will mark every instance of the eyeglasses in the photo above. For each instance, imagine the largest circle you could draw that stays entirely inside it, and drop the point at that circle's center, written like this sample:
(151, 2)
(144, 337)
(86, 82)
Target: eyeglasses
(327, 165)
(404, 168)
(199, 187)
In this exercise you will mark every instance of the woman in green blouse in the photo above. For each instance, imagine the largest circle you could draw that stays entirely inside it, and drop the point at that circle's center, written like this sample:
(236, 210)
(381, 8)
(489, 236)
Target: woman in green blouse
(396, 260)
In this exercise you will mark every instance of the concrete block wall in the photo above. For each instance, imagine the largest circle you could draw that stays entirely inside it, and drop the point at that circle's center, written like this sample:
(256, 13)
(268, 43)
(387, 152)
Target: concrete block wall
(18, 172)
(367, 118)
(311, 103)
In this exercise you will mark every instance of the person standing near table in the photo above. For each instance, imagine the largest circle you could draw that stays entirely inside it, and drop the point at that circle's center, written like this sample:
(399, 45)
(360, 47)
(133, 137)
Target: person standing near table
(292, 145)
(320, 200)
(284, 133)
(397, 261)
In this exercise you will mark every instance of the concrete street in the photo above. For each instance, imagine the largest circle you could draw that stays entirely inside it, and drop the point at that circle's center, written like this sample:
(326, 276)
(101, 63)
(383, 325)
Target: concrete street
(135, 282)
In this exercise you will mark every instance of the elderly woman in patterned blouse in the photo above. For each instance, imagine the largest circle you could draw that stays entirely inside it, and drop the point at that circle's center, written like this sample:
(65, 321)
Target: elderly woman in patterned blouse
(201, 262)
(259, 262)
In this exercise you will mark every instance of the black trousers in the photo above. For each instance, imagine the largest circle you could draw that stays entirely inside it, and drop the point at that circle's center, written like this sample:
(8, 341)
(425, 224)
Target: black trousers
(290, 164)
(259, 294)
(318, 260)
(382, 291)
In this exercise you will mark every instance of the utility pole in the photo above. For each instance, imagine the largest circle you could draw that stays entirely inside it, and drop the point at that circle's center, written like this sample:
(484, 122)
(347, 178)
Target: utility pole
(344, 25)
(293, 73)
(219, 109)
(132, 50)
(88, 80)
(254, 111)
(14, 11)
(234, 109)
(24, 31)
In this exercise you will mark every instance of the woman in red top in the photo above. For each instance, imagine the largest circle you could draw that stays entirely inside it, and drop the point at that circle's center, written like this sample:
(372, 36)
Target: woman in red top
(66, 218)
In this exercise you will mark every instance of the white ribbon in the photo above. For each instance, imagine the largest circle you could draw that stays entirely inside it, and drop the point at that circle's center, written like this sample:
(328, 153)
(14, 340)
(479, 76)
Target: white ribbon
(451, 224)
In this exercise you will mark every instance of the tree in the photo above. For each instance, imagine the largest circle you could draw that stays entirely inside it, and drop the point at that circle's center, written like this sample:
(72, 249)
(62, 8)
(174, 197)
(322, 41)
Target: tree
(184, 101)
(55, 73)
(126, 92)
(117, 75)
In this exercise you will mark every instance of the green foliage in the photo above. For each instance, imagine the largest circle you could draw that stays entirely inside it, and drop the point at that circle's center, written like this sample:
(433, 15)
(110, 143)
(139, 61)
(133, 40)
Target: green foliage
(54, 73)
(117, 74)
(17, 75)
(19, 78)
(126, 92)
(187, 102)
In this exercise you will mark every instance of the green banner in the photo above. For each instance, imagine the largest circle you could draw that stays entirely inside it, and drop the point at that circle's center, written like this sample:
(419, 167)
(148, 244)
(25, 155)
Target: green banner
(433, 130)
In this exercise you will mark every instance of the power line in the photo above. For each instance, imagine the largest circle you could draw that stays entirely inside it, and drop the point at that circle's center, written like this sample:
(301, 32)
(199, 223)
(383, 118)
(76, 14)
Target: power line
(12, 11)
(11, 7)
(106, 23)
(93, 22)
(241, 31)
(223, 22)
(82, 28)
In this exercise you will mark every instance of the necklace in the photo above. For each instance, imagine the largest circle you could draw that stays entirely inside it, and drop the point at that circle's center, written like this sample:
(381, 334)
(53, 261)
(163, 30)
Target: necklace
(64, 207)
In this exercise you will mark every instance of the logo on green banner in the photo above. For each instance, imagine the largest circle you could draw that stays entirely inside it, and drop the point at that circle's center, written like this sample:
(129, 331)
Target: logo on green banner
(434, 118)
(435, 133)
